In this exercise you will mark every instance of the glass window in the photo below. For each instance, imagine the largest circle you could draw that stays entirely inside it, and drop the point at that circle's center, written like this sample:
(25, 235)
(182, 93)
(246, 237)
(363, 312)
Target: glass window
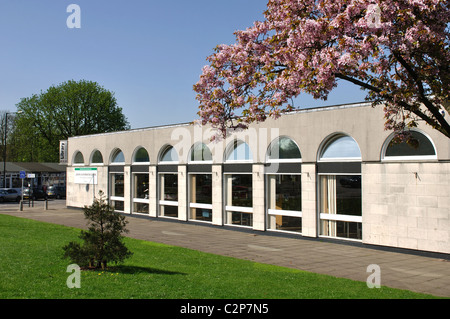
(168, 195)
(141, 156)
(117, 191)
(118, 157)
(200, 197)
(418, 145)
(141, 193)
(200, 152)
(341, 147)
(285, 192)
(169, 155)
(117, 185)
(284, 149)
(239, 151)
(285, 202)
(239, 201)
(79, 159)
(97, 158)
(341, 206)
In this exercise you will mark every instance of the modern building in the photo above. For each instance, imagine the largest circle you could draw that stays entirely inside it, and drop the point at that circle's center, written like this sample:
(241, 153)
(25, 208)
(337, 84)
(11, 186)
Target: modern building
(325, 172)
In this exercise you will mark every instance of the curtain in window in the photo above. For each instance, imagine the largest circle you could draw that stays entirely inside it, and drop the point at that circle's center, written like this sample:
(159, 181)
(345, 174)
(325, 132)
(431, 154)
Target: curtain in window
(328, 203)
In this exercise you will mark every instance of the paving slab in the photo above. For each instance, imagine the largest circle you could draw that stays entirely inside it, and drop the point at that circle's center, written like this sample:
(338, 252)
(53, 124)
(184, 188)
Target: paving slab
(415, 271)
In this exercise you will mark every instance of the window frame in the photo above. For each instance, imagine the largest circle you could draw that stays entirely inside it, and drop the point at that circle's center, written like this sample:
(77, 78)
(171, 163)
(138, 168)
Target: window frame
(402, 158)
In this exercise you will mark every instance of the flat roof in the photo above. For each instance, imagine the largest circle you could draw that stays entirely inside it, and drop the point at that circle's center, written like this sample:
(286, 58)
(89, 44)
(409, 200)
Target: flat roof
(297, 111)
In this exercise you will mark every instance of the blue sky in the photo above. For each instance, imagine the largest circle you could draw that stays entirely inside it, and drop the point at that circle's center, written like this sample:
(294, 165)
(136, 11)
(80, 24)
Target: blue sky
(149, 53)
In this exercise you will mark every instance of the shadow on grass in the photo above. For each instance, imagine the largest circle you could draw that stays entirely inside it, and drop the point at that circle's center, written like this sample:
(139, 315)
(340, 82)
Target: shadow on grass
(132, 270)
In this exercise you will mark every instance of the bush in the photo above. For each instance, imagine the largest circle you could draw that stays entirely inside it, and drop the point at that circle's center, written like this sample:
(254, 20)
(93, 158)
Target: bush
(103, 239)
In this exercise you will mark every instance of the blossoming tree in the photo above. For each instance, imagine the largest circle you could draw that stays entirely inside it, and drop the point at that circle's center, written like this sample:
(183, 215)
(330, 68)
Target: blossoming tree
(396, 50)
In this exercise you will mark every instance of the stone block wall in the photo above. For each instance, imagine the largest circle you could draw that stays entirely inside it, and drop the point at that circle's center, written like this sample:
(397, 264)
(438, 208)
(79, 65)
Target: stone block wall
(407, 205)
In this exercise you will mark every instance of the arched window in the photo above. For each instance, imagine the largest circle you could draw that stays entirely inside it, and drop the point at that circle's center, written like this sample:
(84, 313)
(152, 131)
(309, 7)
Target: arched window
(340, 196)
(238, 151)
(168, 183)
(117, 157)
(78, 158)
(284, 184)
(200, 153)
(169, 154)
(341, 147)
(238, 184)
(140, 186)
(97, 157)
(283, 149)
(419, 146)
(117, 180)
(200, 183)
(141, 156)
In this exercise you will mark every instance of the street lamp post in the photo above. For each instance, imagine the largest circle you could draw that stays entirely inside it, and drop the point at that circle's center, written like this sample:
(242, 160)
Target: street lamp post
(4, 147)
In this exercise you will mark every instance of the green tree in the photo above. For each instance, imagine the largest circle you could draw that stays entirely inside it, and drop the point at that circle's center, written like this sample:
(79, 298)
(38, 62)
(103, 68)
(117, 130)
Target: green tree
(103, 240)
(72, 108)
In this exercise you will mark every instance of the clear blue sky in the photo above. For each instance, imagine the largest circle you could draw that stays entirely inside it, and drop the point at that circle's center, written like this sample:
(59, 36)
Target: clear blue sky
(149, 53)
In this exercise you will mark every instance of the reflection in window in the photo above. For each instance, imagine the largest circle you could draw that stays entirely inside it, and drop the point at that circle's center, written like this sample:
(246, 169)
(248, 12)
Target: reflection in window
(418, 145)
(79, 159)
(168, 195)
(285, 202)
(117, 190)
(240, 152)
(141, 156)
(118, 157)
(169, 155)
(200, 152)
(200, 197)
(239, 200)
(284, 149)
(341, 206)
(141, 193)
(97, 158)
(341, 147)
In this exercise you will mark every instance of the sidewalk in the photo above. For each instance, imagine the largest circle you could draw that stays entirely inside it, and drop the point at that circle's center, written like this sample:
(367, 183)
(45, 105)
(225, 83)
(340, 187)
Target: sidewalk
(425, 273)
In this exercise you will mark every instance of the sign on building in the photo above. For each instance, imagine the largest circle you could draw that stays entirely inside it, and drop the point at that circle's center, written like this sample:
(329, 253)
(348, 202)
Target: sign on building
(63, 152)
(86, 175)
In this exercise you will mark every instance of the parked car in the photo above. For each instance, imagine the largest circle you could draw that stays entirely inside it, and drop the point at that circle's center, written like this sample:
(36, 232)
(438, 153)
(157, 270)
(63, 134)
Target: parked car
(56, 192)
(9, 195)
(35, 193)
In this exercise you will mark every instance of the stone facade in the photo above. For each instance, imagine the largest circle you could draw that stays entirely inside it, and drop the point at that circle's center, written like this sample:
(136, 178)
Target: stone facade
(405, 203)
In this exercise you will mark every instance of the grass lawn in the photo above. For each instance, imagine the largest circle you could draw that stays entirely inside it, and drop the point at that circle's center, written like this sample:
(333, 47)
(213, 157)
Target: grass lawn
(32, 267)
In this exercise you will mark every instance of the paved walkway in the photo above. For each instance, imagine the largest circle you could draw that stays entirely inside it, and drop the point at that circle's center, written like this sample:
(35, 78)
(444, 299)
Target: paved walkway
(426, 273)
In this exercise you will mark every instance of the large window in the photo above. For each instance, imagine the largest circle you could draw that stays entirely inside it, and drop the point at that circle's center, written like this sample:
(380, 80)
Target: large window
(340, 197)
(168, 183)
(238, 184)
(239, 200)
(141, 193)
(200, 198)
(116, 180)
(168, 203)
(117, 192)
(284, 186)
(200, 183)
(285, 202)
(140, 182)
(341, 207)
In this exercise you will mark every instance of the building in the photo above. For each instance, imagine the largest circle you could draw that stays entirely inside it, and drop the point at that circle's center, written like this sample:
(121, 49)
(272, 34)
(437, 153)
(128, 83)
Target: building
(37, 174)
(324, 172)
